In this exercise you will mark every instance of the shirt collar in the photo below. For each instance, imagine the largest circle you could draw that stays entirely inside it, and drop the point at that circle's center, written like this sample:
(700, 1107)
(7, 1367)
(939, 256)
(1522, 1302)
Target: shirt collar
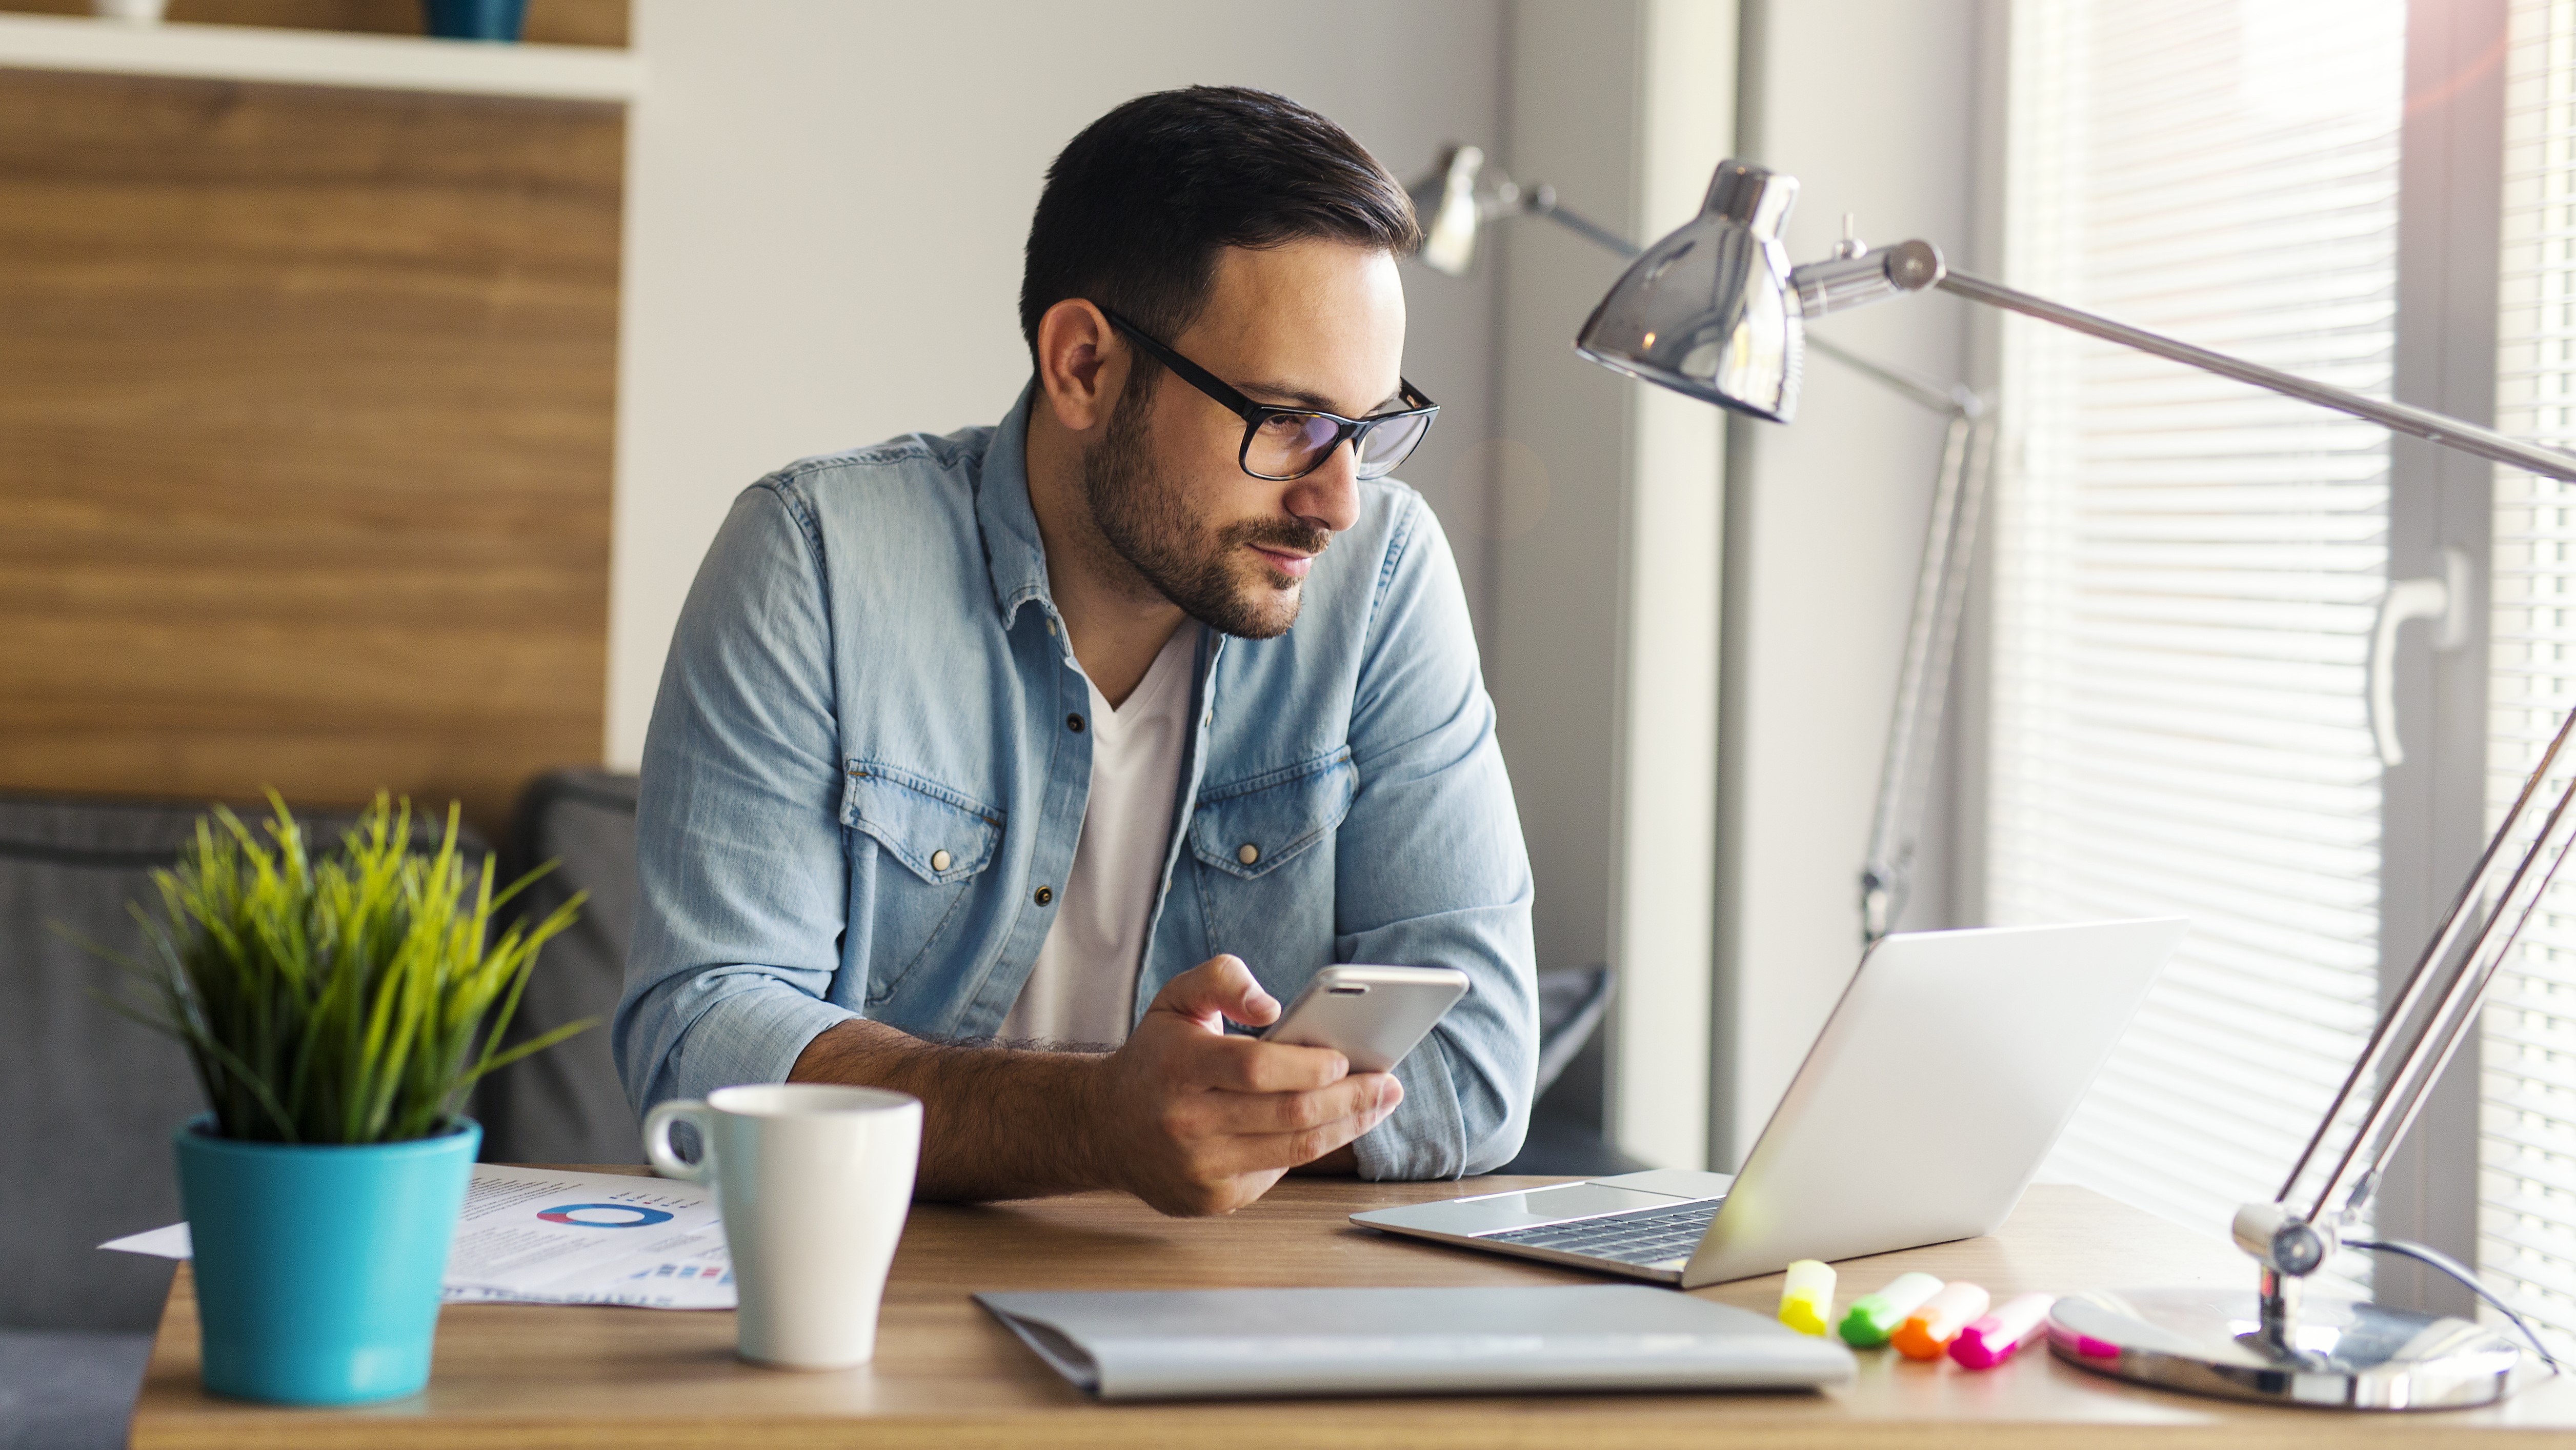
(1013, 552)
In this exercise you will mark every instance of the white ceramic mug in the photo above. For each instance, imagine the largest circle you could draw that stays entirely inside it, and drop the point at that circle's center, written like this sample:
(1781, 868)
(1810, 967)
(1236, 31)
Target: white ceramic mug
(813, 1182)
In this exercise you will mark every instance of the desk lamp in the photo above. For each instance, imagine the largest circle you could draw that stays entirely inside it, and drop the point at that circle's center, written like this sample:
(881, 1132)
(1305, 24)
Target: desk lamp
(1716, 311)
(1463, 195)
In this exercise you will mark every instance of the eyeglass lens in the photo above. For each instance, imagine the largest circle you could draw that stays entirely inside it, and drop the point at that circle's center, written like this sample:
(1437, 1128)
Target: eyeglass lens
(1286, 445)
(1387, 444)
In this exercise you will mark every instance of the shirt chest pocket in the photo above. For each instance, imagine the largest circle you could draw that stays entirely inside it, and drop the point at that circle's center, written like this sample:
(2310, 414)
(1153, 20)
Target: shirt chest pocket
(1253, 828)
(932, 842)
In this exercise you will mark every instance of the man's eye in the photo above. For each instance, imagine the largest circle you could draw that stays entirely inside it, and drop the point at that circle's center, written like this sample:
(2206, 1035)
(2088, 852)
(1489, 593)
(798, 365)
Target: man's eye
(1286, 425)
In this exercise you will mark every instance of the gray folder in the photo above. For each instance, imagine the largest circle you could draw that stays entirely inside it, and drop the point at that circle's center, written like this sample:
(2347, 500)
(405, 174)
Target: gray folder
(1264, 1343)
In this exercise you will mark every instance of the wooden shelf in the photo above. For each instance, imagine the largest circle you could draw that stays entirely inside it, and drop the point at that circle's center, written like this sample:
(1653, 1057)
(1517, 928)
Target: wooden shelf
(319, 58)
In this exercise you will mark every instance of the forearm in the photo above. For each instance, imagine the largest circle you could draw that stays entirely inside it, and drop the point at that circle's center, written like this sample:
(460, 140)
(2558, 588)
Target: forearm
(996, 1122)
(1342, 1162)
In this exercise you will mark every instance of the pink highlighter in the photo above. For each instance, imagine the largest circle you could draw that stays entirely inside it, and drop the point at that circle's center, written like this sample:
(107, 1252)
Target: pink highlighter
(1993, 1338)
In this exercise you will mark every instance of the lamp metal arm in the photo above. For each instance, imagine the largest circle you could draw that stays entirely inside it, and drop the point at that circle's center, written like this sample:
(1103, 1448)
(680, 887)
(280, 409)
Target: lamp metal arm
(2435, 1008)
(1540, 200)
(1922, 687)
(1958, 399)
(2416, 422)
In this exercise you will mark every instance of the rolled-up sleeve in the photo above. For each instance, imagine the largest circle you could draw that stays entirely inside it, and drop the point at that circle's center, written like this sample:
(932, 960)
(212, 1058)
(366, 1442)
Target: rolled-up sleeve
(739, 850)
(1434, 871)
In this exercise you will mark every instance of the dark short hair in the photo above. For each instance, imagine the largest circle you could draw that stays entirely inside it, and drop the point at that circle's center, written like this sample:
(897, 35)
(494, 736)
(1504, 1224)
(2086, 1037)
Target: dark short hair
(1137, 207)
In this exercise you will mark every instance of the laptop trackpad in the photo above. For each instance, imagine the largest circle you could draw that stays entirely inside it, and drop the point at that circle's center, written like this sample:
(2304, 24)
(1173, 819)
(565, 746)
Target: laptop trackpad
(1496, 1212)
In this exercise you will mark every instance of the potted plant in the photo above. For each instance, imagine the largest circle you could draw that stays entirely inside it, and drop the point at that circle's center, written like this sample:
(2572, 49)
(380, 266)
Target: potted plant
(337, 1008)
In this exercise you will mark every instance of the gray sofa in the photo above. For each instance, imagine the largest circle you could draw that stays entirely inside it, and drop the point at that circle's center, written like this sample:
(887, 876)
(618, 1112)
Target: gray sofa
(565, 1105)
(88, 1101)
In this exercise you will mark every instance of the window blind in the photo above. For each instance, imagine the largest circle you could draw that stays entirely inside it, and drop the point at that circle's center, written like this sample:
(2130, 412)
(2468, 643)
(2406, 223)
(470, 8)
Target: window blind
(2527, 1058)
(2185, 568)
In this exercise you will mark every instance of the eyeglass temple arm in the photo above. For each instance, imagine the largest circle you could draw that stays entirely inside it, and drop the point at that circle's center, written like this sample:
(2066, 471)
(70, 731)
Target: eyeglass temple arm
(1198, 377)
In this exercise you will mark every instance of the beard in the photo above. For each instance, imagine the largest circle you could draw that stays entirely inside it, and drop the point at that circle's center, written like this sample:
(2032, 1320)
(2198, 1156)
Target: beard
(1150, 525)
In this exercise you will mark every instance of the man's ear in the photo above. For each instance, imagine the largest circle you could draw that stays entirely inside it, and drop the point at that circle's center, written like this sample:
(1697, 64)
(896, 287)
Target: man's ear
(1082, 364)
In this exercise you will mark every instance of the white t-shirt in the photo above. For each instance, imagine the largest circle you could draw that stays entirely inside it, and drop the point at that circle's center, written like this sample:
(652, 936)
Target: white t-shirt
(1082, 992)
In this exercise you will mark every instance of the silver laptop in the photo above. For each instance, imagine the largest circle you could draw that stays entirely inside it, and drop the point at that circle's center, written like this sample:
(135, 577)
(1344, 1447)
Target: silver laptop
(1944, 1076)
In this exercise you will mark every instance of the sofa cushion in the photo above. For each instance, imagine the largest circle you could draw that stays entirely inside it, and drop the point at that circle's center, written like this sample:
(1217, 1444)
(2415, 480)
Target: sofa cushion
(89, 1098)
(565, 1104)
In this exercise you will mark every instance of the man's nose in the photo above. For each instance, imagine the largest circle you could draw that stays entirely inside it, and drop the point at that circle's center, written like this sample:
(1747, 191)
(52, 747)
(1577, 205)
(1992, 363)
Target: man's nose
(1329, 496)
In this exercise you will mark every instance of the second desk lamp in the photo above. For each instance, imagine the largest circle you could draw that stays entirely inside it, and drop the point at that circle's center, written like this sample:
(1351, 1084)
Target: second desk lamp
(1464, 195)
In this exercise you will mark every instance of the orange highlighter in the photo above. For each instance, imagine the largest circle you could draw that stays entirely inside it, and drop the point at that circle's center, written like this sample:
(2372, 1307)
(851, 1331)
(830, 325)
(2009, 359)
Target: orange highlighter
(1927, 1332)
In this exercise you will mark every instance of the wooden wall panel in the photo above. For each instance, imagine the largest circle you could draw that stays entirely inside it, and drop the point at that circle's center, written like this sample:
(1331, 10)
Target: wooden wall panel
(555, 22)
(305, 428)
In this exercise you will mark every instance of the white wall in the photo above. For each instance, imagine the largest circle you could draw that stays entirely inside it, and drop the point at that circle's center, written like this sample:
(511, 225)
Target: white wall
(1869, 103)
(1603, 660)
(1553, 656)
(826, 203)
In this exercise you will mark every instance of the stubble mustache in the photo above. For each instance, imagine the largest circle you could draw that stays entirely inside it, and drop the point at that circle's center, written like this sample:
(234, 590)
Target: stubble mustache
(1287, 536)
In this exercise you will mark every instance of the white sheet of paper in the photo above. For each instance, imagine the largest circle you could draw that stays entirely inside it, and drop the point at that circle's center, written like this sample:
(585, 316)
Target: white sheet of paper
(542, 1236)
(161, 1243)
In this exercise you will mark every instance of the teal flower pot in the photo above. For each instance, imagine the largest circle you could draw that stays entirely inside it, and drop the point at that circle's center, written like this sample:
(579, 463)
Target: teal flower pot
(318, 1268)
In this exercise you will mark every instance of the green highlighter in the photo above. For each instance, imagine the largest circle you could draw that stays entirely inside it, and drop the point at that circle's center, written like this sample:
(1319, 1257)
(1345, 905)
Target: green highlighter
(1874, 1317)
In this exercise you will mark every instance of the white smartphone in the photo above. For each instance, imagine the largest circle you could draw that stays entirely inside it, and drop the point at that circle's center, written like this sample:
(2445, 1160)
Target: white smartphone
(1370, 1015)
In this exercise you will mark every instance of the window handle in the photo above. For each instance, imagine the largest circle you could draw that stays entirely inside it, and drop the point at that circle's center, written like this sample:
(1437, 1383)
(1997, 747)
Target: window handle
(2443, 598)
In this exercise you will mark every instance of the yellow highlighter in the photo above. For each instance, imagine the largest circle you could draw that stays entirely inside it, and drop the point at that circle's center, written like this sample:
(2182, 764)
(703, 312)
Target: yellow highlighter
(1807, 1297)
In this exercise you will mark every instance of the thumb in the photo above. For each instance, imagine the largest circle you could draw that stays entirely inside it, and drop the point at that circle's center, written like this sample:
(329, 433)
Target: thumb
(1218, 987)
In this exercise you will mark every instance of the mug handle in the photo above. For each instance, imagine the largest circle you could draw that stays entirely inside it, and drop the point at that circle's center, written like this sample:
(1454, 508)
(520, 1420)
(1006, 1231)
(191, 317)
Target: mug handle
(657, 1140)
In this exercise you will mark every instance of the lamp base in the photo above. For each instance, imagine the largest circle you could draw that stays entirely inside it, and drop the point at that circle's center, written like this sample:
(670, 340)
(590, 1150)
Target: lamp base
(2351, 1354)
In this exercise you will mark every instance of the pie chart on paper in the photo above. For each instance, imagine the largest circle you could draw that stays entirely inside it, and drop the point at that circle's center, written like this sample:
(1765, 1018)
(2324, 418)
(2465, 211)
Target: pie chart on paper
(604, 1215)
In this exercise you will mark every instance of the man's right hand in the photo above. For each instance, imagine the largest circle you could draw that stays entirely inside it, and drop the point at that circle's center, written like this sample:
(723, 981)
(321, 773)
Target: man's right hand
(1194, 1121)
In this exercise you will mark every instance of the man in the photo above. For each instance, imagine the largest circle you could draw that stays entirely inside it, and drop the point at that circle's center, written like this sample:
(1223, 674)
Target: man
(1157, 695)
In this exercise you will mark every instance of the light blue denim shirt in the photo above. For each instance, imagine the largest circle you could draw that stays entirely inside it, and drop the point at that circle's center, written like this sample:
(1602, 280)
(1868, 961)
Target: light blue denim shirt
(862, 776)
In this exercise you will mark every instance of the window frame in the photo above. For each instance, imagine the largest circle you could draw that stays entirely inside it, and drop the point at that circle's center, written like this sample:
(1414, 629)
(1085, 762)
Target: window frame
(2433, 824)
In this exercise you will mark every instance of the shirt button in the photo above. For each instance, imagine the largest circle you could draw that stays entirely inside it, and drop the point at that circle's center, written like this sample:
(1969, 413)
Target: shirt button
(1045, 895)
(1073, 723)
(1247, 853)
(938, 860)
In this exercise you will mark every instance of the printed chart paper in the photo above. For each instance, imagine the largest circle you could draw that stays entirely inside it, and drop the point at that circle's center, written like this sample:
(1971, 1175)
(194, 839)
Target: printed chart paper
(539, 1236)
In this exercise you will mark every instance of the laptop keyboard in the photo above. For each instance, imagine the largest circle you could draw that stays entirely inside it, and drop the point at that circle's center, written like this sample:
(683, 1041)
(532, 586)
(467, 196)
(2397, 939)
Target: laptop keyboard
(1640, 1236)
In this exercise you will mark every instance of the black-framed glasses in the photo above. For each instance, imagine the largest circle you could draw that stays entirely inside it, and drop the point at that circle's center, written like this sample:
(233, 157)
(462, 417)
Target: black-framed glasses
(1280, 444)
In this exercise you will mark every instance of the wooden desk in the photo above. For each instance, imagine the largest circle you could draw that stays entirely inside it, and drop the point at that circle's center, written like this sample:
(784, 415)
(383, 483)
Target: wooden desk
(947, 1377)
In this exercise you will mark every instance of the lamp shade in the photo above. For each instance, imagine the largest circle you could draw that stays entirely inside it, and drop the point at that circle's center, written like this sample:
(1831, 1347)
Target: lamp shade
(1450, 215)
(1710, 310)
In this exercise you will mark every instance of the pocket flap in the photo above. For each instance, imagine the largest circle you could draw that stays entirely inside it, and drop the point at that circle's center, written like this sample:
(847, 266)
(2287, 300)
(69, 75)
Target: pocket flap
(1247, 829)
(941, 834)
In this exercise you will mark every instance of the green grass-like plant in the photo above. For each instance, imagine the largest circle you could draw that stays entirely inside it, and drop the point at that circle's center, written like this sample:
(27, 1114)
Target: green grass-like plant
(337, 999)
